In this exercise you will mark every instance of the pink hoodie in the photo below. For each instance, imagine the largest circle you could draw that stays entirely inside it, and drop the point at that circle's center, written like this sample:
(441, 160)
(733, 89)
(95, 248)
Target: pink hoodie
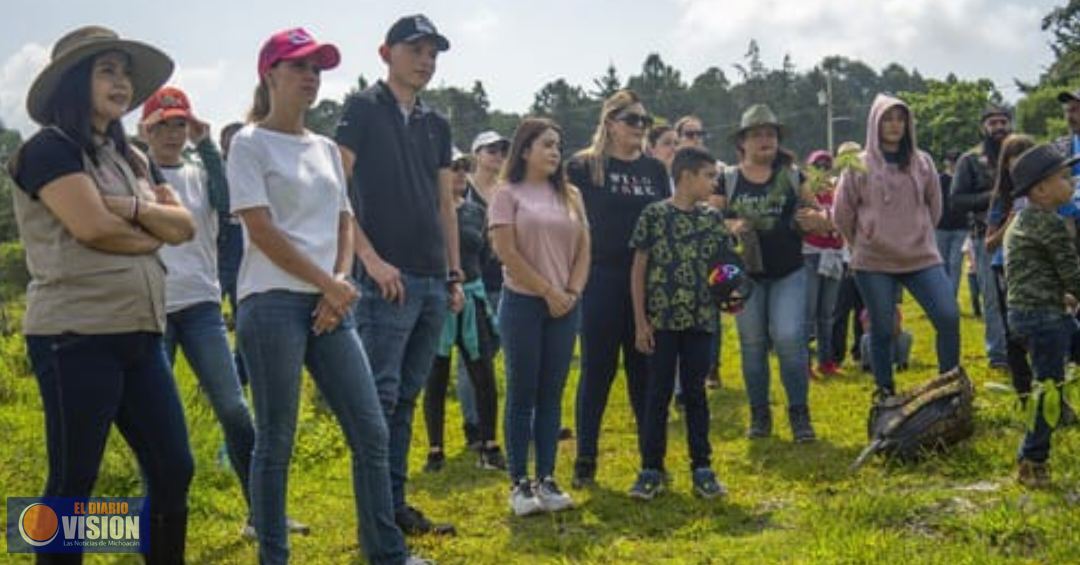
(888, 215)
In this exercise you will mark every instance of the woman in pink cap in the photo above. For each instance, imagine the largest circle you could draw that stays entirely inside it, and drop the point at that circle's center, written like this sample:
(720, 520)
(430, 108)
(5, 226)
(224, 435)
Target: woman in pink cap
(288, 187)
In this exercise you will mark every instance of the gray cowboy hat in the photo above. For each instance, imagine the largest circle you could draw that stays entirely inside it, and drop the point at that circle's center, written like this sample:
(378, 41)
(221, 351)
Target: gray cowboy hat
(150, 67)
(758, 115)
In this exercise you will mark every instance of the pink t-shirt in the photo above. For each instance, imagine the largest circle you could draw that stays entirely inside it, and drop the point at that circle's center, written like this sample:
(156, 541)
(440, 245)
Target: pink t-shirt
(547, 236)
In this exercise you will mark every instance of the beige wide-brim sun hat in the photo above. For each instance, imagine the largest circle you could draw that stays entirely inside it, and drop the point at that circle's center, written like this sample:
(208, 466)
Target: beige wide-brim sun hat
(150, 67)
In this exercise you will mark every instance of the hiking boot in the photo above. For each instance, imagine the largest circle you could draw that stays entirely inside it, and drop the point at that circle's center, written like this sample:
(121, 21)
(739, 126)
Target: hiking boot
(706, 485)
(649, 484)
(1034, 475)
(551, 497)
(413, 522)
(436, 460)
(523, 501)
(801, 428)
(491, 459)
(760, 422)
(584, 474)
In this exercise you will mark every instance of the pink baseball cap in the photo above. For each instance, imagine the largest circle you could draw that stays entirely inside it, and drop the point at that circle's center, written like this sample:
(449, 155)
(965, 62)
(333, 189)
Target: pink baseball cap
(296, 43)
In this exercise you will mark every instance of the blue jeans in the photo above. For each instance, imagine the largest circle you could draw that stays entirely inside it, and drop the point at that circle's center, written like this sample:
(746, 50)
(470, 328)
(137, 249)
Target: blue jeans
(90, 382)
(401, 342)
(931, 290)
(996, 347)
(607, 328)
(689, 351)
(274, 331)
(537, 351)
(1047, 335)
(821, 295)
(776, 314)
(951, 247)
(200, 331)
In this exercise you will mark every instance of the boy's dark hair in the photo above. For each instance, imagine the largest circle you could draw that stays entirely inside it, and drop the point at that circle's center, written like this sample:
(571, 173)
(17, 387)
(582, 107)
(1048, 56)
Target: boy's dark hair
(690, 160)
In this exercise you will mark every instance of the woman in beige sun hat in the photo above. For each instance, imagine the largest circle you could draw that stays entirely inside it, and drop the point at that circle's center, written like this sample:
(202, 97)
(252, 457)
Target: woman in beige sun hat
(92, 213)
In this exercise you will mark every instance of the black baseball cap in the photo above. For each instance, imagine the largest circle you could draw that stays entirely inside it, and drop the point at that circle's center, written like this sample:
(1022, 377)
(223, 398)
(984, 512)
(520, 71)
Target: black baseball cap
(1036, 164)
(1066, 96)
(995, 110)
(412, 28)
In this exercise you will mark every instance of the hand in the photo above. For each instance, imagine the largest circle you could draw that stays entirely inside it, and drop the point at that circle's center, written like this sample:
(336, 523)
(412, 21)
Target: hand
(120, 205)
(643, 338)
(145, 124)
(812, 221)
(325, 318)
(197, 130)
(739, 226)
(1070, 302)
(717, 201)
(559, 303)
(457, 297)
(339, 295)
(388, 279)
(165, 195)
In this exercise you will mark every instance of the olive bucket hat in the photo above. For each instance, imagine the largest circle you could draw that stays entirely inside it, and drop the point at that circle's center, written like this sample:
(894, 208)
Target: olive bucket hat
(150, 67)
(758, 115)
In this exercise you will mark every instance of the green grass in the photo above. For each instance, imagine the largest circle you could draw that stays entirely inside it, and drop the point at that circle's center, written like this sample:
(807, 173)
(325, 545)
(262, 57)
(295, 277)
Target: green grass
(787, 503)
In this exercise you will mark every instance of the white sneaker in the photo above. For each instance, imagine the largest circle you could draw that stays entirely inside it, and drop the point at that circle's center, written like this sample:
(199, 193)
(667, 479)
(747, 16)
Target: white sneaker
(414, 560)
(522, 499)
(551, 497)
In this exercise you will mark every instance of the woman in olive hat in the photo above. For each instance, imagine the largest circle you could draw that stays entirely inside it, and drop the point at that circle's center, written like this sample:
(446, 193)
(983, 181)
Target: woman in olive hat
(92, 213)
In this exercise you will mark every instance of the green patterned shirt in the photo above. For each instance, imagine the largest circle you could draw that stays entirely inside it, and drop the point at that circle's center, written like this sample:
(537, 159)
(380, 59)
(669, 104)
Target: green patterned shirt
(682, 247)
(1041, 264)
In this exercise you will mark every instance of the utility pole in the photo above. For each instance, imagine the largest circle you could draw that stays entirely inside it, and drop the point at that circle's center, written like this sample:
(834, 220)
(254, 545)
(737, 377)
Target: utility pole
(825, 98)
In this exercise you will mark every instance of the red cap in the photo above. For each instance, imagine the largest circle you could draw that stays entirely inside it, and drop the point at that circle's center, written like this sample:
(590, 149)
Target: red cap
(168, 102)
(296, 43)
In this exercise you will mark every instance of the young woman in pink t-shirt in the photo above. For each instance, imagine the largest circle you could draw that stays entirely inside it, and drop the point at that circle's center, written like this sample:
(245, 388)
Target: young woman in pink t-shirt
(539, 232)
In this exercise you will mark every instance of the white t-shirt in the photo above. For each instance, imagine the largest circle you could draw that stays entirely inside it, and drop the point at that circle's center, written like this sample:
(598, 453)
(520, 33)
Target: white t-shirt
(301, 180)
(192, 275)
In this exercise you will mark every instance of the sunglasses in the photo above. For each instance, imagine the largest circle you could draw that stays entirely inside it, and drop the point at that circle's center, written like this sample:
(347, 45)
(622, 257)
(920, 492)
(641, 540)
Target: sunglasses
(633, 120)
(459, 166)
(498, 148)
(695, 134)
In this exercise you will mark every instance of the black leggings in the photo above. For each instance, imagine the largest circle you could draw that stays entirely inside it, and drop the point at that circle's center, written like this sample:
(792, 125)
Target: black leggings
(482, 374)
(1015, 353)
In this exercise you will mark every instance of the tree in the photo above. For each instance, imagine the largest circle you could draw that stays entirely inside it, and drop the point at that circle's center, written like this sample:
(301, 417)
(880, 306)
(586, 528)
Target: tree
(324, 116)
(1039, 113)
(1063, 23)
(947, 115)
(571, 108)
(607, 84)
(661, 87)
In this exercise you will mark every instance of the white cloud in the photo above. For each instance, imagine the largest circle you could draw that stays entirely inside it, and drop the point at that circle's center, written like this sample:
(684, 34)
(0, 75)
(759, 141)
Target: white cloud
(972, 38)
(16, 74)
(480, 23)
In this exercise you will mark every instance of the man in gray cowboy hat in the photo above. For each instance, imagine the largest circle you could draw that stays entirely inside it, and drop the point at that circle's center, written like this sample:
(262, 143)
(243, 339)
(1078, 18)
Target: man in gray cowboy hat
(970, 193)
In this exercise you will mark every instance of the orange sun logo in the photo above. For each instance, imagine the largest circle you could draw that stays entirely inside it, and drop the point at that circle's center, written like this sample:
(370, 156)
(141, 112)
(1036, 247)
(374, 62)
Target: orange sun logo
(38, 525)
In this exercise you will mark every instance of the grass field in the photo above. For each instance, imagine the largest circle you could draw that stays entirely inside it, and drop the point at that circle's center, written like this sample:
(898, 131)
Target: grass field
(787, 503)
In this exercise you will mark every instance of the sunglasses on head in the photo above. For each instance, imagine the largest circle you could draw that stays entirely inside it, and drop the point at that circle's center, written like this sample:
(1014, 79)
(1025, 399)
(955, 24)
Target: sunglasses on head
(634, 120)
(695, 134)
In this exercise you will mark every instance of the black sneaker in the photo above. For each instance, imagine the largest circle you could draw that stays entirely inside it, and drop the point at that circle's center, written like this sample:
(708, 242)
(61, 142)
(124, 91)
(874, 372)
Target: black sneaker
(801, 428)
(413, 523)
(649, 484)
(584, 474)
(435, 462)
(491, 459)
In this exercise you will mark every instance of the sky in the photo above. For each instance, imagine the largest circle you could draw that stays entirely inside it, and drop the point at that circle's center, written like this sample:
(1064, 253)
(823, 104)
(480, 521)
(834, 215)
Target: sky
(516, 47)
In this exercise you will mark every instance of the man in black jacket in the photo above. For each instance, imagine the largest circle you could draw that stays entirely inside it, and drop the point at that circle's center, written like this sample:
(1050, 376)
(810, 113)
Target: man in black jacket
(972, 187)
(952, 229)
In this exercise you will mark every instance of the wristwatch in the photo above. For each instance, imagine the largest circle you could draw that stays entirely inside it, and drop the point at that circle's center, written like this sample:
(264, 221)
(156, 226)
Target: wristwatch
(454, 276)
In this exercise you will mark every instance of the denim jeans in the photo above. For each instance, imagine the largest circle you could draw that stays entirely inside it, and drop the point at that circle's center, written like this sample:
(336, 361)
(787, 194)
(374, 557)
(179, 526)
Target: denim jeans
(230, 252)
(996, 349)
(931, 290)
(607, 328)
(401, 341)
(950, 245)
(200, 331)
(776, 314)
(689, 350)
(1019, 367)
(821, 295)
(848, 306)
(1047, 335)
(274, 331)
(88, 383)
(537, 351)
(465, 392)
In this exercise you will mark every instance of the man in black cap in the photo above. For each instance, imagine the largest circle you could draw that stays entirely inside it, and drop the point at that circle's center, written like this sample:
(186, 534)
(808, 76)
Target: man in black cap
(396, 151)
(972, 187)
(1042, 269)
(1069, 144)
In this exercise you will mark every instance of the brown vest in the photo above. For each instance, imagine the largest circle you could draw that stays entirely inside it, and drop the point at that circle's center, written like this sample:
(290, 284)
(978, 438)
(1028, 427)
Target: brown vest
(74, 288)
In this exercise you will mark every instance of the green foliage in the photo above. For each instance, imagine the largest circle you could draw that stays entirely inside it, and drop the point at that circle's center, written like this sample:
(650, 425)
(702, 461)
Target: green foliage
(1039, 113)
(14, 275)
(947, 115)
(1063, 23)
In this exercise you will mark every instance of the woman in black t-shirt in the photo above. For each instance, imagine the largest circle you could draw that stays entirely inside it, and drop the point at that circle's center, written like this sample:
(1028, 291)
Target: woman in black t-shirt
(473, 332)
(766, 206)
(616, 181)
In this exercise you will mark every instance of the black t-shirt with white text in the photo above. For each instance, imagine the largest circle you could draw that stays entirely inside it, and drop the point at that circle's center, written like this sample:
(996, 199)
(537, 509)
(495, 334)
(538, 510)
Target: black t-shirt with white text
(771, 208)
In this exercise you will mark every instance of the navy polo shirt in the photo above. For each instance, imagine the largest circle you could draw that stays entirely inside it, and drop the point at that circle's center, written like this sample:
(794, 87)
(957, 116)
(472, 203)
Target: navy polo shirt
(395, 178)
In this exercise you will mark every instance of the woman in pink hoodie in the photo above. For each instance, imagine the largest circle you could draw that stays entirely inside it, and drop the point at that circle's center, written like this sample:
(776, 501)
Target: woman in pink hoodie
(887, 215)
